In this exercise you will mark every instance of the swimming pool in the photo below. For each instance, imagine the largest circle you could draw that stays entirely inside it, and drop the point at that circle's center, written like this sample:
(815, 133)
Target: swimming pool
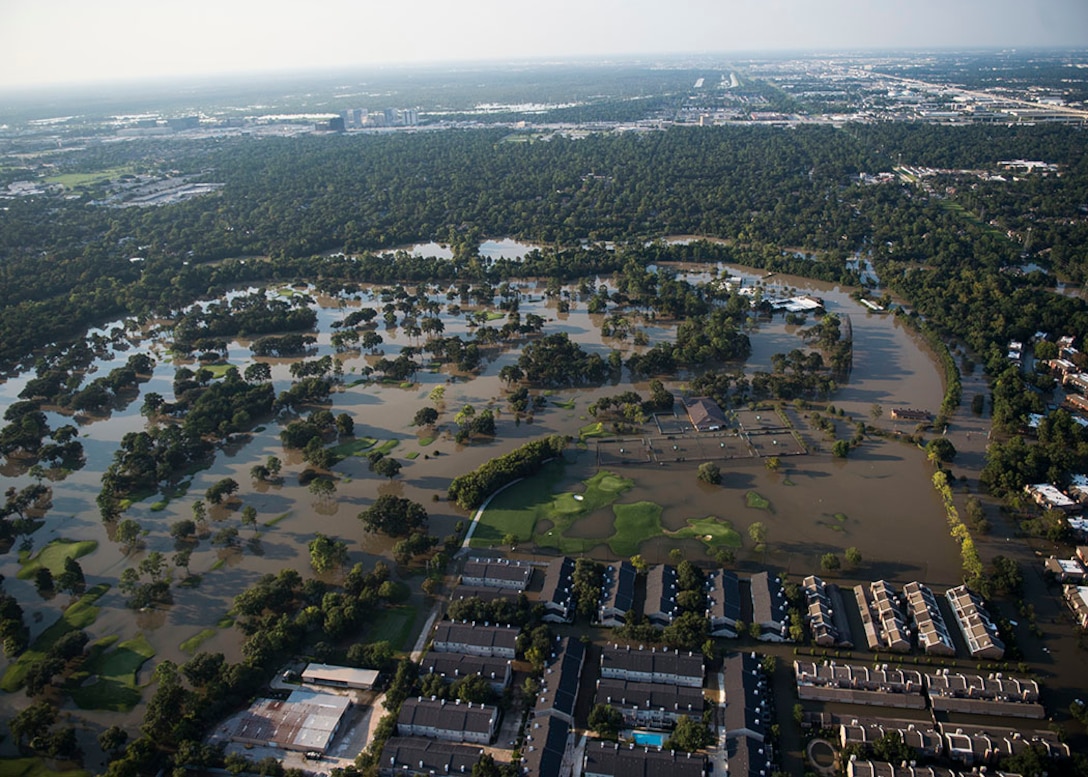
(652, 738)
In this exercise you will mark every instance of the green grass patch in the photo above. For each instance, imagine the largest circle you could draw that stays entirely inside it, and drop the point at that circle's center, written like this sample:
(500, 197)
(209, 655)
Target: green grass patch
(52, 557)
(393, 625)
(412, 455)
(634, 524)
(840, 517)
(494, 315)
(225, 622)
(515, 510)
(190, 645)
(159, 506)
(276, 520)
(566, 404)
(518, 509)
(109, 681)
(35, 767)
(592, 430)
(425, 441)
(77, 616)
(217, 370)
(387, 446)
(352, 448)
(219, 564)
(712, 531)
(757, 501)
(72, 180)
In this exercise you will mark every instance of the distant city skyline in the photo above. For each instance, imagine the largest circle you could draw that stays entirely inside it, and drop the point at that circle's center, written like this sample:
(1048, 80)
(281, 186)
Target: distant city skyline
(70, 42)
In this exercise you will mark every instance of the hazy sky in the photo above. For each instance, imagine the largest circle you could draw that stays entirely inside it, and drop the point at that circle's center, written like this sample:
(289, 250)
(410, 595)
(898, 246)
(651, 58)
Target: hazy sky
(58, 41)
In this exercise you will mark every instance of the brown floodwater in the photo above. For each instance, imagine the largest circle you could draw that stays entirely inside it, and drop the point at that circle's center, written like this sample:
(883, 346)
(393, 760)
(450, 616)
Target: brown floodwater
(883, 489)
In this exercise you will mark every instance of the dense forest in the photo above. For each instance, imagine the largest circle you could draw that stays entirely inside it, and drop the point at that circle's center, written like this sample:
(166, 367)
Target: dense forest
(68, 263)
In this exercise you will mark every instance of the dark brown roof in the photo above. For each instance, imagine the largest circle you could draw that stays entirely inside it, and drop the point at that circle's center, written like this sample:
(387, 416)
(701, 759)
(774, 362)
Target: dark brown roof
(431, 755)
(611, 758)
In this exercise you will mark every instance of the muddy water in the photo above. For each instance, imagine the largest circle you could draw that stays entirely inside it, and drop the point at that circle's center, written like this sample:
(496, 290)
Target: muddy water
(883, 489)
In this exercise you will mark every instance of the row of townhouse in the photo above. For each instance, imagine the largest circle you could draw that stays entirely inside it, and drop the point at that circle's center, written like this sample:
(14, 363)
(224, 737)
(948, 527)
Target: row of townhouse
(453, 721)
(747, 719)
(929, 624)
(858, 684)
(883, 620)
(496, 573)
(442, 737)
(548, 748)
(889, 626)
(619, 662)
(944, 691)
(970, 746)
(975, 625)
(858, 768)
(610, 759)
(725, 599)
(825, 614)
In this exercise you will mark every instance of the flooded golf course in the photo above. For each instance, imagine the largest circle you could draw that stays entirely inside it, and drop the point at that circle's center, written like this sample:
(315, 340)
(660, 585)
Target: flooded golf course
(880, 499)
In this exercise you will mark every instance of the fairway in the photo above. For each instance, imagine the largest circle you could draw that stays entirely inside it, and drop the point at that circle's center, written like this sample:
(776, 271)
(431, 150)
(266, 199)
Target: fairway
(108, 677)
(634, 524)
(711, 531)
(78, 616)
(52, 557)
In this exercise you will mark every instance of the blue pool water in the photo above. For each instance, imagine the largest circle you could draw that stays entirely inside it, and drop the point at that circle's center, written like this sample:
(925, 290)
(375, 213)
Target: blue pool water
(649, 738)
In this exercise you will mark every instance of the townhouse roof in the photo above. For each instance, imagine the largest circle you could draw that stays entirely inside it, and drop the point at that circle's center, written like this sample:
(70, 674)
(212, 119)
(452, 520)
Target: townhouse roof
(619, 587)
(432, 756)
(484, 635)
(562, 676)
(545, 746)
(661, 589)
(652, 662)
(611, 758)
(723, 596)
(680, 699)
(453, 666)
(442, 715)
(558, 582)
(497, 572)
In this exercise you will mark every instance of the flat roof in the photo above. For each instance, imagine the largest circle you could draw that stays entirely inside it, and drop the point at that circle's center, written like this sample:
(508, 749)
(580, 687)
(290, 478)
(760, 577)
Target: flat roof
(327, 674)
(307, 720)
